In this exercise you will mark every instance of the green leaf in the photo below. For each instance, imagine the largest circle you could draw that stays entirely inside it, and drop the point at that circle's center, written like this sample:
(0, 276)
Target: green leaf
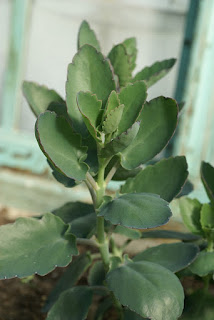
(165, 178)
(68, 278)
(154, 72)
(120, 62)
(90, 108)
(207, 177)
(130, 45)
(92, 159)
(103, 306)
(96, 275)
(129, 233)
(72, 304)
(61, 178)
(61, 145)
(207, 219)
(148, 289)
(169, 234)
(133, 96)
(111, 121)
(173, 256)
(89, 71)
(130, 315)
(39, 97)
(121, 142)
(80, 216)
(190, 211)
(87, 36)
(204, 264)
(137, 210)
(35, 246)
(158, 122)
(112, 103)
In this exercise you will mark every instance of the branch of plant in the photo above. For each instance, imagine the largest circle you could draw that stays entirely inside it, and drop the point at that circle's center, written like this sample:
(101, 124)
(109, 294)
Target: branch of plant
(112, 172)
(87, 242)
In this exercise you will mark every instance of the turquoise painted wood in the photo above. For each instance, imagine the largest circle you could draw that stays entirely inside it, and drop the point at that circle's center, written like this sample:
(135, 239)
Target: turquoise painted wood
(196, 135)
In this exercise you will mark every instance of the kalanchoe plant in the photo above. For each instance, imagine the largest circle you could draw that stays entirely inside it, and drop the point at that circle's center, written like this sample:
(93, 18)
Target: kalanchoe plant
(199, 219)
(105, 129)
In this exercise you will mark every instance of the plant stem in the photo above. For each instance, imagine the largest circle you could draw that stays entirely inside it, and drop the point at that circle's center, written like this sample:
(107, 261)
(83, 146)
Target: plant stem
(112, 172)
(209, 245)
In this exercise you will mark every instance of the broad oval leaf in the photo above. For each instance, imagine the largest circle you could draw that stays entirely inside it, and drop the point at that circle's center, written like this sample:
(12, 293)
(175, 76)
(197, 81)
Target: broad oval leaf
(207, 177)
(190, 210)
(39, 97)
(204, 264)
(130, 45)
(137, 210)
(81, 217)
(89, 71)
(170, 234)
(154, 72)
(87, 36)
(120, 62)
(158, 122)
(165, 178)
(35, 246)
(73, 303)
(68, 278)
(172, 256)
(90, 108)
(61, 145)
(133, 96)
(148, 289)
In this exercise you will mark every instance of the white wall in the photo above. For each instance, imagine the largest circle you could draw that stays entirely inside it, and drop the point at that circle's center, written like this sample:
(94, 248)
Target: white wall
(158, 26)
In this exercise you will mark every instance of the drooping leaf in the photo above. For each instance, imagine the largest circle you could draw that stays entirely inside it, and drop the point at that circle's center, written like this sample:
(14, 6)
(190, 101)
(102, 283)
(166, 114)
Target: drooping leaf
(155, 72)
(169, 234)
(89, 71)
(87, 36)
(68, 278)
(61, 178)
(90, 108)
(61, 145)
(204, 264)
(133, 96)
(39, 97)
(121, 142)
(190, 211)
(72, 304)
(173, 256)
(207, 177)
(148, 289)
(165, 178)
(120, 62)
(158, 122)
(110, 123)
(137, 210)
(129, 233)
(96, 274)
(81, 217)
(130, 45)
(207, 219)
(35, 246)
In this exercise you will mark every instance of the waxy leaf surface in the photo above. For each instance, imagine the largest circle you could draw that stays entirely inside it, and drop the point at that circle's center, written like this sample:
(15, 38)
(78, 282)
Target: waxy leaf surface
(155, 72)
(68, 278)
(148, 289)
(39, 97)
(89, 71)
(72, 304)
(204, 264)
(120, 62)
(165, 178)
(133, 96)
(158, 122)
(80, 216)
(173, 256)
(87, 36)
(190, 211)
(61, 145)
(33, 245)
(137, 210)
(61, 178)
(207, 177)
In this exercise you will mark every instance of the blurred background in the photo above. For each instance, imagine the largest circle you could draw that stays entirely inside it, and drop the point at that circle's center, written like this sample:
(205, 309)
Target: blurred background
(39, 40)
